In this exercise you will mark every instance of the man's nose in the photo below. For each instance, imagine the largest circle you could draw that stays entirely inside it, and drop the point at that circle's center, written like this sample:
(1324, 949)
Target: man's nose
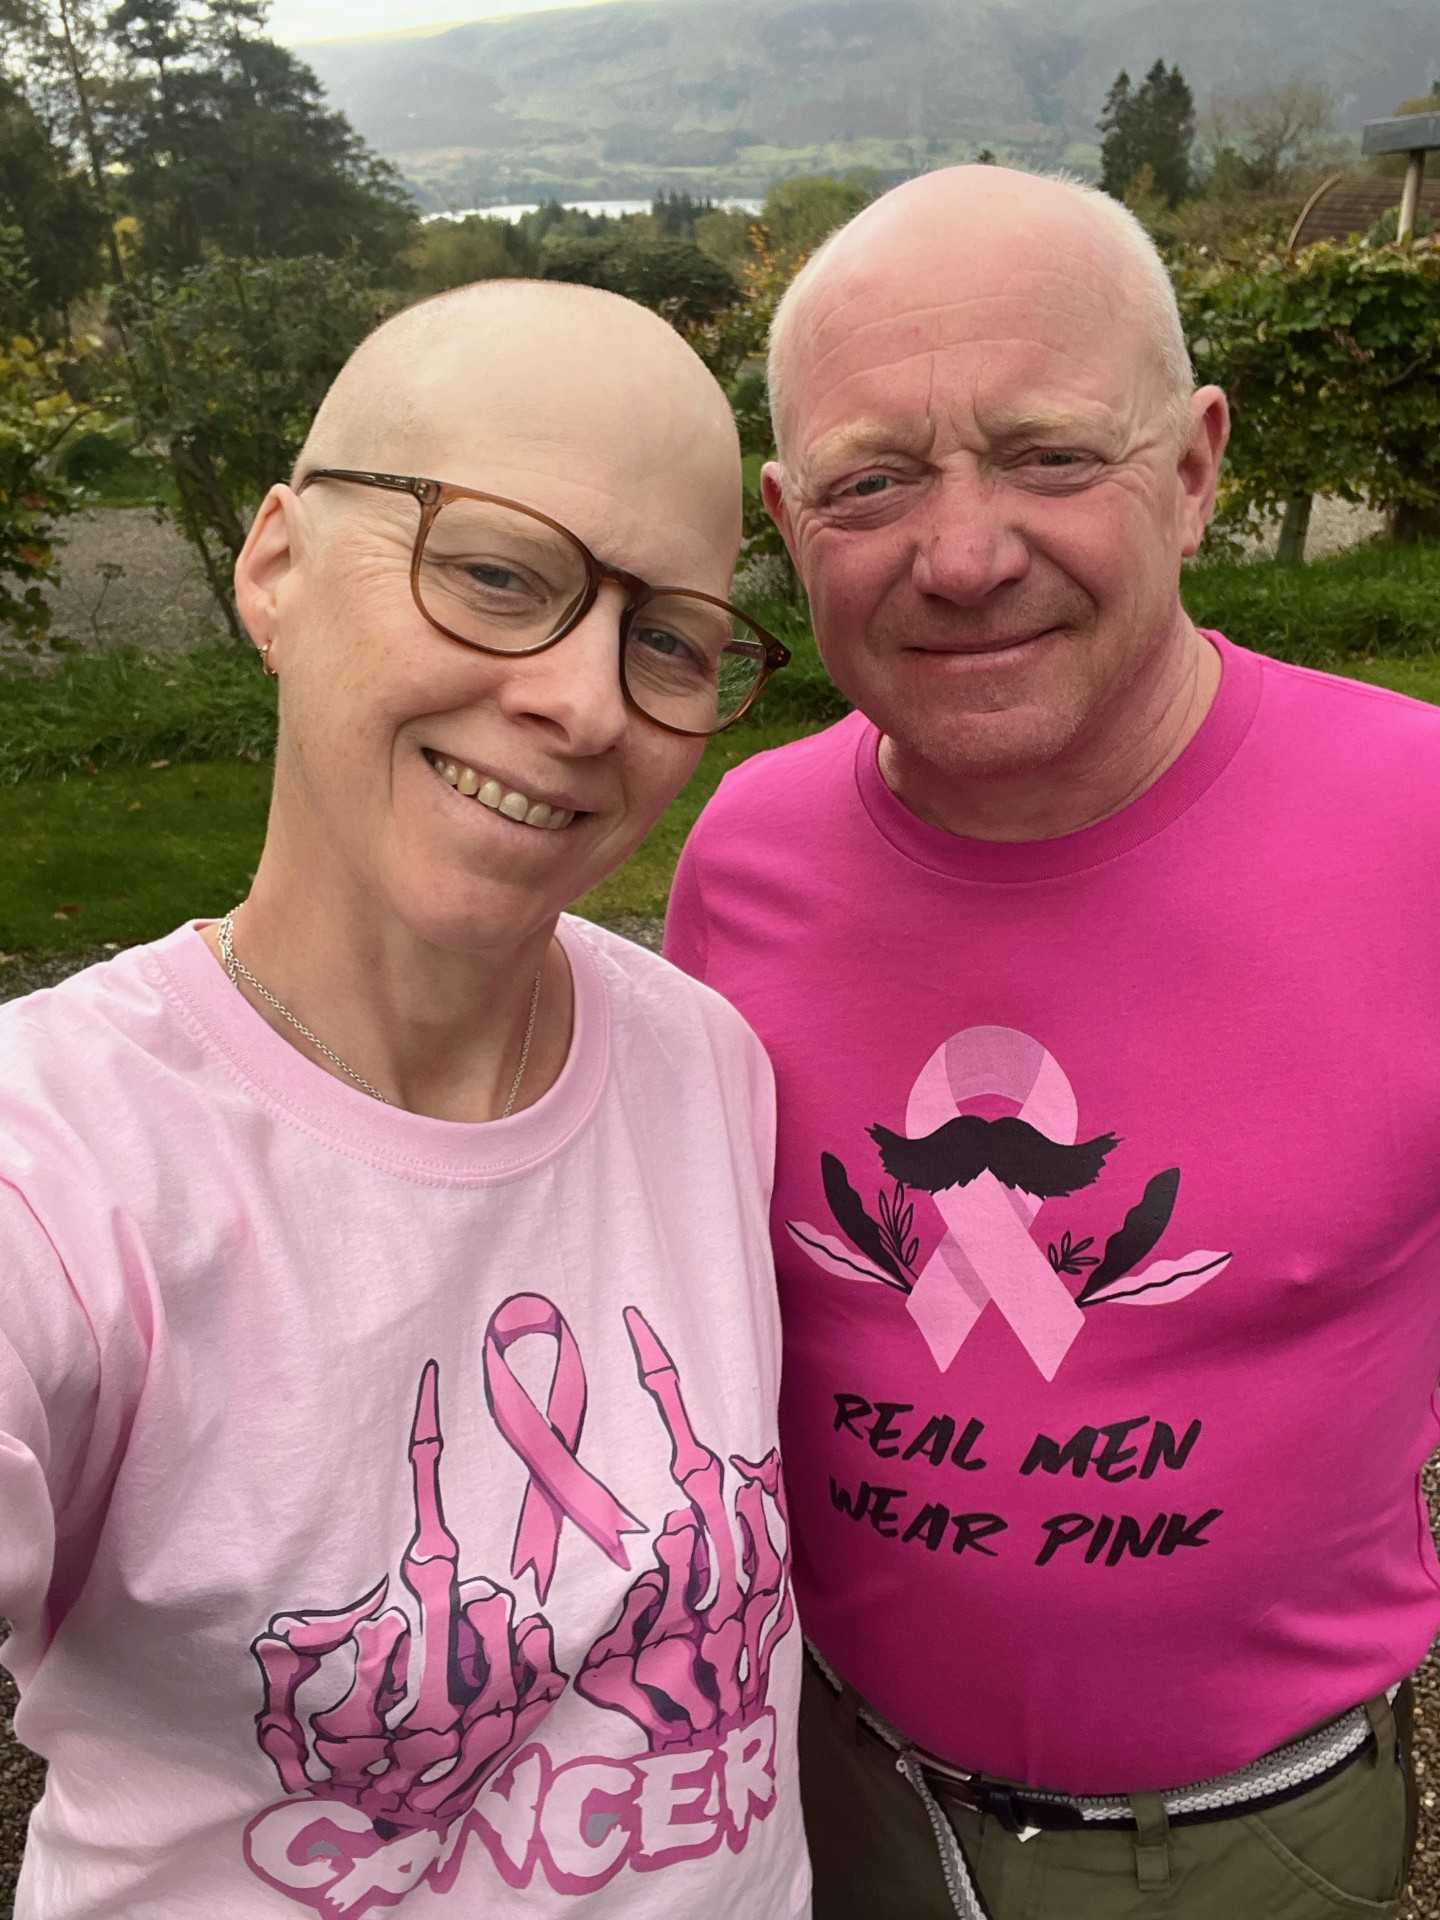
(970, 543)
(573, 688)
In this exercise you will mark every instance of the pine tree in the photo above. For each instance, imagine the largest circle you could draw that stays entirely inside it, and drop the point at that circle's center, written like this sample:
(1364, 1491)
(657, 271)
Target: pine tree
(1152, 125)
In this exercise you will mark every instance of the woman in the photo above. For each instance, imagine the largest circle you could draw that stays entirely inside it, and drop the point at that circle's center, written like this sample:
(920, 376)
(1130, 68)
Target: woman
(389, 1498)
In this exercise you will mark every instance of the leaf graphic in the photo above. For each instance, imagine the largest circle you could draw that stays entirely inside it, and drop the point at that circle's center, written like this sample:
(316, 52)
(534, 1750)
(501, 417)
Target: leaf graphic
(849, 1212)
(833, 1256)
(1163, 1283)
(1142, 1228)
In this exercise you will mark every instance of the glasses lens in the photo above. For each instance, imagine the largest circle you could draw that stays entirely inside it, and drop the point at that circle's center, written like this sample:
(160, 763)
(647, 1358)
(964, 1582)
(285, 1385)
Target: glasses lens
(691, 663)
(498, 577)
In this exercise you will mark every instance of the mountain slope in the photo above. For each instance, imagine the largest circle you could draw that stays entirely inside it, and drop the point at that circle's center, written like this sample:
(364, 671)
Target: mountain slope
(643, 93)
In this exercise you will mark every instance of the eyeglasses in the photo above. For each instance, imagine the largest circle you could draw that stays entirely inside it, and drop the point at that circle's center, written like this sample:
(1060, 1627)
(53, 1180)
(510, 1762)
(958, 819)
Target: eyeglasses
(506, 579)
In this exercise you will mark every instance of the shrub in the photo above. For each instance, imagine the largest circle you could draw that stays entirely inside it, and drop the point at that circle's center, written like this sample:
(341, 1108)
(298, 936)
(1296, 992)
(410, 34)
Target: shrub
(36, 413)
(1331, 361)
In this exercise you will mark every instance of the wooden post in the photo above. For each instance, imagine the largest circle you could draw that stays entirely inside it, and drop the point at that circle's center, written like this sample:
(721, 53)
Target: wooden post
(1410, 196)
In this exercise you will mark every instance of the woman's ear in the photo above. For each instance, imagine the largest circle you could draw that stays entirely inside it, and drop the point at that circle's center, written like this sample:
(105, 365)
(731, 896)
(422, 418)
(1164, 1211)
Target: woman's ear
(268, 557)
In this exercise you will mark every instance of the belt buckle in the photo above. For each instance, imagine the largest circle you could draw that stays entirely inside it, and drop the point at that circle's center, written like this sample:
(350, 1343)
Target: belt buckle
(999, 1802)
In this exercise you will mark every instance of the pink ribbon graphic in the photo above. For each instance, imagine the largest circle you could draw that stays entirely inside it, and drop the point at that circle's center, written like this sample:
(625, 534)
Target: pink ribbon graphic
(987, 1253)
(560, 1488)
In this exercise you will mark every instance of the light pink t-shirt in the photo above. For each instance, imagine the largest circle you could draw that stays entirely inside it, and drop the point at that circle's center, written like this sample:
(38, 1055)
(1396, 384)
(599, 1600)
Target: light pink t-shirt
(389, 1508)
(1107, 1218)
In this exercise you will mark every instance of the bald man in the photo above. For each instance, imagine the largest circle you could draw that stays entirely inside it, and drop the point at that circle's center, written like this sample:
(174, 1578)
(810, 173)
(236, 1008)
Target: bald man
(1094, 955)
(390, 1512)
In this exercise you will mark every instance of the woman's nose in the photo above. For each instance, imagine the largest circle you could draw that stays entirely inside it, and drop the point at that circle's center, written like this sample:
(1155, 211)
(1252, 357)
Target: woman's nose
(573, 688)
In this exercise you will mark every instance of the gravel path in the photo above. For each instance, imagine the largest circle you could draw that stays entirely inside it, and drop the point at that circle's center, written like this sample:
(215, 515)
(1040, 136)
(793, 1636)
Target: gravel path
(126, 573)
(22, 1775)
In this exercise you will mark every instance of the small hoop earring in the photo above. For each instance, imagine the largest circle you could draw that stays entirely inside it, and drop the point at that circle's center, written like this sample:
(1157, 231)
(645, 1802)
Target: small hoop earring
(271, 673)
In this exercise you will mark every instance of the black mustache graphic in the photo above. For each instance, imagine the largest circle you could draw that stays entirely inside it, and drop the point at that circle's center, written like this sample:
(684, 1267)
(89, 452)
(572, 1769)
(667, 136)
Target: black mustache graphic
(1018, 1155)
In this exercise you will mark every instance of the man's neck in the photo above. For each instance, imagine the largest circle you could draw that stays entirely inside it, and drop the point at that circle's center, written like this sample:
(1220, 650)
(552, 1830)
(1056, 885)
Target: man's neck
(1099, 776)
(436, 1032)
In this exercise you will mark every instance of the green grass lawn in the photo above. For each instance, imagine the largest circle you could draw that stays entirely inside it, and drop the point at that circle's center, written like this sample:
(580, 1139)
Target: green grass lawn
(127, 853)
(99, 846)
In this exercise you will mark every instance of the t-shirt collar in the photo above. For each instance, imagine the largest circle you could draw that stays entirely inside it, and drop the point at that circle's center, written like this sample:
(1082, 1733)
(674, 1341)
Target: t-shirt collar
(1201, 763)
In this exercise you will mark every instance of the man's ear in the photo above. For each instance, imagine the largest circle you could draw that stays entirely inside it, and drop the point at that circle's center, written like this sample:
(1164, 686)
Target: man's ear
(1199, 466)
(772, 492)
(266, 560)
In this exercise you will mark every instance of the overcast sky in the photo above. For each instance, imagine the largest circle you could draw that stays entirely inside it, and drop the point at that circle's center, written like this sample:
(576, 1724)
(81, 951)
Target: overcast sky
(293, 21)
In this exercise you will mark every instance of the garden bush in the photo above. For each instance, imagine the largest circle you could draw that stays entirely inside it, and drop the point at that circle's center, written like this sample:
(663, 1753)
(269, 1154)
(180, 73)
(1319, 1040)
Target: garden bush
(130, 708)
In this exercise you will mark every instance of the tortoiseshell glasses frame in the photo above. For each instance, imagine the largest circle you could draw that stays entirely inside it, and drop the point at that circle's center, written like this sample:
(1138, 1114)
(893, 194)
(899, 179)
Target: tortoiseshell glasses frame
(741, 665)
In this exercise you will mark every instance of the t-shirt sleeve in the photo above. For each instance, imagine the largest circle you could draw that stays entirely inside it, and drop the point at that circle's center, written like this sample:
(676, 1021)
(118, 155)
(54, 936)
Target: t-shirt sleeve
(49, 1386)
(686, 935)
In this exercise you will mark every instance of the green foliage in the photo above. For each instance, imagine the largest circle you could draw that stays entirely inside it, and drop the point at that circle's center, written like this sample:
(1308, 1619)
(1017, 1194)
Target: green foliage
(1377, 601)
(52, 225)
(36, 413)
(227, 145)
(798, 214)
(106, 469)
(671, 276)
(453, 253)
(724, 233)
(1149, 127)
(1331, 361)
(125, 708)
(676, 215)
(226, 367)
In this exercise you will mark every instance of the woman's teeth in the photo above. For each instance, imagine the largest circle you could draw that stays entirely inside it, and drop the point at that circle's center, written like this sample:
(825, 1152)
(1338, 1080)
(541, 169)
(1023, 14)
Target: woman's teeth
(515, 806)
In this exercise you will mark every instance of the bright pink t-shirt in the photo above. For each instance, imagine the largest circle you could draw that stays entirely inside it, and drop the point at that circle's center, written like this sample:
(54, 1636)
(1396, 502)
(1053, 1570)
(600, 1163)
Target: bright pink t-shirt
(1107, 1218)
(389, 1508)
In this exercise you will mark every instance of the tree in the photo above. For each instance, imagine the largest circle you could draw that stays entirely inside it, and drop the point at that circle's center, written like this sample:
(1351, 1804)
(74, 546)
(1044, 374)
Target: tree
(70, 64)
(53, 223)
(1261, 140)
(675, 214)
(227, 146)
(673, 277)
(226, 366)
(1152, 125)
(798, 214)
(453, 253)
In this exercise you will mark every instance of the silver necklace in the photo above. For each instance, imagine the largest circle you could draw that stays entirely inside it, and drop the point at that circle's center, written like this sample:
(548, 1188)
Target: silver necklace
(238, 971)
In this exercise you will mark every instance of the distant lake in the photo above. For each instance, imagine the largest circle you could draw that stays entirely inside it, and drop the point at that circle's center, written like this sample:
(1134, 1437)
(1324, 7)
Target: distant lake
(611, 209)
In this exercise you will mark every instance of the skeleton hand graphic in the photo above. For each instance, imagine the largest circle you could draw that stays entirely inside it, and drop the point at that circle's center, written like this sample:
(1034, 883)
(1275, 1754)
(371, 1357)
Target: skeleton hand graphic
(477, 1681)
(689, 1656)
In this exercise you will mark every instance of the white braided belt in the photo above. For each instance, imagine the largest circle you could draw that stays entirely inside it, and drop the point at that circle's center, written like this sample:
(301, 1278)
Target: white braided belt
(1287, 1767)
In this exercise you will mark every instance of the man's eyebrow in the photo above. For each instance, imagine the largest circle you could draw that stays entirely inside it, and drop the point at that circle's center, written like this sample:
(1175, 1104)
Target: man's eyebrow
(862, 439)
(1053, 423)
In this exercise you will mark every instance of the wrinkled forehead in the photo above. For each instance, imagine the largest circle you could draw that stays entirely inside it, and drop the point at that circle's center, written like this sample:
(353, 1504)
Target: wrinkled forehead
(976, 338)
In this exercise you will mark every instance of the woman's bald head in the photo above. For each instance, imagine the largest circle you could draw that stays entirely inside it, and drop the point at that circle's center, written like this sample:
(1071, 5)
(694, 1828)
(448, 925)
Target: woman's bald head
(538, 378)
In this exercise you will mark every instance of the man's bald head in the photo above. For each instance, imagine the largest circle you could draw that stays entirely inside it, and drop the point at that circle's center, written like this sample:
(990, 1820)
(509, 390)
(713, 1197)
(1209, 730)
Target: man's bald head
(966, 227)
(545, 376)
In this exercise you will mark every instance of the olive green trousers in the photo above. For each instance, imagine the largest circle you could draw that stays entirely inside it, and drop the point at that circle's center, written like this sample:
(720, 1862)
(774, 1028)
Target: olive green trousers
(1341, 1848)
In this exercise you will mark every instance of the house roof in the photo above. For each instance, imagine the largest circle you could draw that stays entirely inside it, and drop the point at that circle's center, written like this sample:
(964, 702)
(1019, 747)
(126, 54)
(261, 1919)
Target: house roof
(1351, 203)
